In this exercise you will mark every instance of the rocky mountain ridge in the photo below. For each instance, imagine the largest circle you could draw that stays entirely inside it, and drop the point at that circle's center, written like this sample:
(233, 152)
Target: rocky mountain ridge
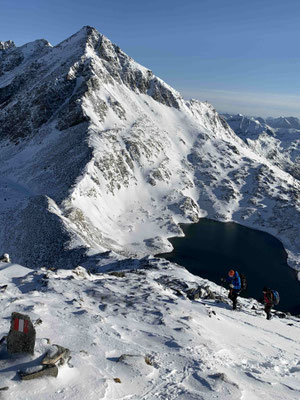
(99, 154)
(277, 139)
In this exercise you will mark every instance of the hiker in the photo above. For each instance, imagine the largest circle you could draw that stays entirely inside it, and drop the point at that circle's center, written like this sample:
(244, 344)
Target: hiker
(271, 298)
(235, 286)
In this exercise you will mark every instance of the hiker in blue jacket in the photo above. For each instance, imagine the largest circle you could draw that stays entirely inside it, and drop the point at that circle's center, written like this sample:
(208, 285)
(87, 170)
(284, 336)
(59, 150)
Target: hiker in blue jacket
(235, 286)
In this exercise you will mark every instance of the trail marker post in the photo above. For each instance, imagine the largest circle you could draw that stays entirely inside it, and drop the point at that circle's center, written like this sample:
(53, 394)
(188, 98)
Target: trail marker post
(21, 337)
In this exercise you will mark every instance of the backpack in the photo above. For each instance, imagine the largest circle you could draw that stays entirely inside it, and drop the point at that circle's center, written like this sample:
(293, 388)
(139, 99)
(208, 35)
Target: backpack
(276, 297)
(243, 281)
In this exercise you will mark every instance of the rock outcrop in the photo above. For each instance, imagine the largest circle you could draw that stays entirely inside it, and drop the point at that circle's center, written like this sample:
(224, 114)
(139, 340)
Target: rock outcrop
(99, 153)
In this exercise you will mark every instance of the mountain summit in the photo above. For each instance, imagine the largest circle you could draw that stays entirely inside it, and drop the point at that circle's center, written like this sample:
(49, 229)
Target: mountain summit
(100, 154)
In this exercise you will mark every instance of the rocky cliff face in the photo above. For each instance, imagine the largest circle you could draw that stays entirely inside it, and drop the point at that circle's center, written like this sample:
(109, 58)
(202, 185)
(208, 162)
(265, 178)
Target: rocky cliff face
(98, 153)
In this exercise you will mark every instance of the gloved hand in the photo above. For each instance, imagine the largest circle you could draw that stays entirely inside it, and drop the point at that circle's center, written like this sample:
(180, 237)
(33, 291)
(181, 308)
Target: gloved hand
(222, 279)
(231, 286)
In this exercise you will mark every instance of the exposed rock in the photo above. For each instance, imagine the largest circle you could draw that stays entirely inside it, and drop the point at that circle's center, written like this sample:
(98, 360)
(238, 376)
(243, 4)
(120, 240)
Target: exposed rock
(187, 207)
(38, 322)
(211, 313)
(56, 354)
(39, 372)
(3, 339)
(21, 337)
(118, 274)
(210, 295)
(9, 44)
(81, 272)
(179, 287)
(124, 357)
(148, 361)
(280, 314)
(5, 258)
(194, 293)
(138, 364)
(104, 128)
(220, 378)
(201, 292)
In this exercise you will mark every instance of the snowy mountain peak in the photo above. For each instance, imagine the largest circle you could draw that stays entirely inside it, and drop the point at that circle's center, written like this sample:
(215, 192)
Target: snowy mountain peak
(63, 75)
(81, 37)
(248, 127)
(284, 122)
(100, 154)
(100, 163)
(9, 44)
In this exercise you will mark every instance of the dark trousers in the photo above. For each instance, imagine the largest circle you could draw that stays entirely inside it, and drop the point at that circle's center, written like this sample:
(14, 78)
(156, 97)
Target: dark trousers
(232, 295)
(268, 308)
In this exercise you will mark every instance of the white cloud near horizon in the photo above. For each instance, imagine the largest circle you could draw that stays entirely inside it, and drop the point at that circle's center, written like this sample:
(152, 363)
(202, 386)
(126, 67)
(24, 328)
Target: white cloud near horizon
(249, 103)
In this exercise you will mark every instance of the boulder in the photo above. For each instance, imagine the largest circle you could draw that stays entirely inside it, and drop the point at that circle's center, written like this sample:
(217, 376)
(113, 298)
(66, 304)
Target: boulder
(194, 293)
(81, 272)
(56, 354)
(21, 337)
(38, 372)
(280, 314)
(5, 258)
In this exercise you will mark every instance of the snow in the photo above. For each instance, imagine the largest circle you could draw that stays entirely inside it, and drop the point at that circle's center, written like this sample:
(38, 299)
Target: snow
(137, 329)
(9, 271)
(100, 193)
(143, 161)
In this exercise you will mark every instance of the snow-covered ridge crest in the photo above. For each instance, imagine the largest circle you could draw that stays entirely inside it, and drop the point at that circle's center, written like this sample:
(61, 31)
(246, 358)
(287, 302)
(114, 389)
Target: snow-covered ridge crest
(114, 158)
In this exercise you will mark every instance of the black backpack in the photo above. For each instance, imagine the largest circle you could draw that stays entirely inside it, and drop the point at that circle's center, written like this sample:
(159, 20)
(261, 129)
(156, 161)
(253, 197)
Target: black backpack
(243, 281)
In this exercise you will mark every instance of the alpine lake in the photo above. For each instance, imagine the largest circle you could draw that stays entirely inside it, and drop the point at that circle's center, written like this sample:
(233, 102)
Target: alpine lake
(210, 249)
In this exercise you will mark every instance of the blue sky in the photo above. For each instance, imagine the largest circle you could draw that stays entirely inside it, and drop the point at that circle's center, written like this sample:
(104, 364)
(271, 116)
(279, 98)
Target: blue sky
(241, 55)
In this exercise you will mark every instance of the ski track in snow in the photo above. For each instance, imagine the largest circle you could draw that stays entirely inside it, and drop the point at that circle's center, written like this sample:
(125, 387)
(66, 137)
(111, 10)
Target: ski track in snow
(197, 349)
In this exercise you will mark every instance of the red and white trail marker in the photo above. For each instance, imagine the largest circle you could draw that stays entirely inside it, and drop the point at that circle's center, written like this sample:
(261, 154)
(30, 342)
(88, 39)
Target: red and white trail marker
(21, 325)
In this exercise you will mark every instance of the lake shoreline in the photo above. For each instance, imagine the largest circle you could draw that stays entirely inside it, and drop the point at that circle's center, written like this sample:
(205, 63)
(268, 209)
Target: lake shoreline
(209, 248)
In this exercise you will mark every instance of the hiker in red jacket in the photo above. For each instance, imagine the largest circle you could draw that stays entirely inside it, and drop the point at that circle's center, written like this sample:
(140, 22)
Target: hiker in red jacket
(268, 301)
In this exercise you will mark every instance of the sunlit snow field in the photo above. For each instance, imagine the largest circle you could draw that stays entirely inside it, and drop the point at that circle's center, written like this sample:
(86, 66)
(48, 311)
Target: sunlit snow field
(194, 349)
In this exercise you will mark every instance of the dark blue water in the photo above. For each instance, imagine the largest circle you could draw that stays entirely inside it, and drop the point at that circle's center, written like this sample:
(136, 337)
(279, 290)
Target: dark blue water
(210, 248)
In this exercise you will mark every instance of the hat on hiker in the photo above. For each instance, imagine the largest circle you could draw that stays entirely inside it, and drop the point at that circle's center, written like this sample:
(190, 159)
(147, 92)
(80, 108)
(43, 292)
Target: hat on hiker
(265, 289)
(231, 273)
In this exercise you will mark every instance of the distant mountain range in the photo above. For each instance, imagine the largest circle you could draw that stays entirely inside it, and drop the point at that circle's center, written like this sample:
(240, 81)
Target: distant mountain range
(277, 139)
(255, 124)
(98, 154)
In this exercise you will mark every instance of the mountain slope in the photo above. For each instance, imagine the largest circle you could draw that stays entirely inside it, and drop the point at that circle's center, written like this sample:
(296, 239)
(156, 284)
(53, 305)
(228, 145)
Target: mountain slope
(99, 154)
(269, 138)
(136, 335)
